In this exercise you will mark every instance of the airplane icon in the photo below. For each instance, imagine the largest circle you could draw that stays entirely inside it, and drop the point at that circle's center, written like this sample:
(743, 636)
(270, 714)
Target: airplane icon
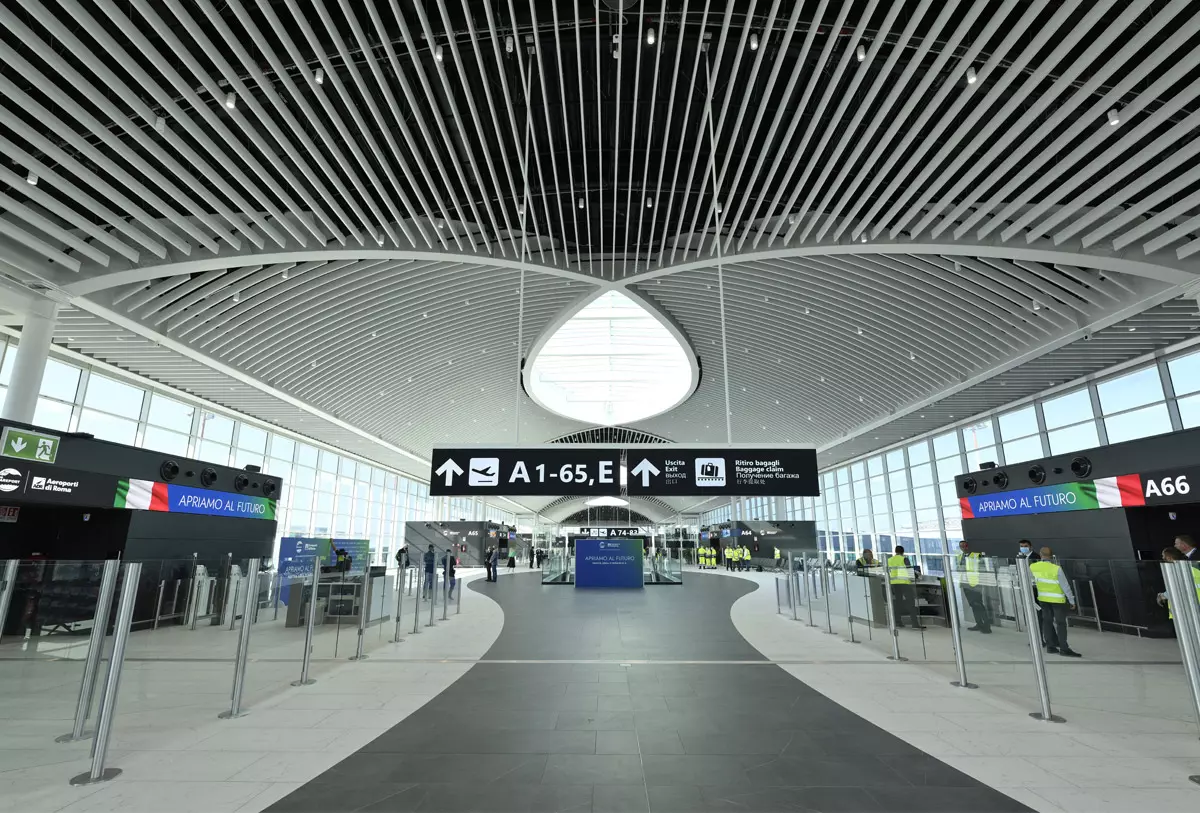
(484, 471)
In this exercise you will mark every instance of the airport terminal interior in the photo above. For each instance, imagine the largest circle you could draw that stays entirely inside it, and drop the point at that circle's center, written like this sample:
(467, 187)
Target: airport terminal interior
(604, 406)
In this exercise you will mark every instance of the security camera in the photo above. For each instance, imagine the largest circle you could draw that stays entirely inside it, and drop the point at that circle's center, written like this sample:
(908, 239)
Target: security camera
(1087, 337)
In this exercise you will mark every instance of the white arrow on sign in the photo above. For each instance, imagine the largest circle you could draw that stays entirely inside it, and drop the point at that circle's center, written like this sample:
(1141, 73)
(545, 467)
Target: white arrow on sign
(449, 469)
(644, 470)
(17, 444)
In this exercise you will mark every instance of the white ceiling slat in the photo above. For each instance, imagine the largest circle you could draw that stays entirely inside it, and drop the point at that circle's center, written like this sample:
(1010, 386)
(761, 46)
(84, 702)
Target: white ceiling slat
(50, 252)
(48, 227)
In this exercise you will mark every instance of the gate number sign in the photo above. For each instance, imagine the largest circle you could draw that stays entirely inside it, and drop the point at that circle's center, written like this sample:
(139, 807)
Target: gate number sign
(646, 470)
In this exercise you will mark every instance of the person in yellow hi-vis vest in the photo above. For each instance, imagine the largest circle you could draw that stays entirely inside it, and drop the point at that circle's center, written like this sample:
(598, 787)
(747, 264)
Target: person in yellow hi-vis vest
(904, 595)
(704, 554)
(736, 553)
(1054, 594)
(968, 560)
(1173, 555)
(778, 558)
(745, 557)
(728, 557)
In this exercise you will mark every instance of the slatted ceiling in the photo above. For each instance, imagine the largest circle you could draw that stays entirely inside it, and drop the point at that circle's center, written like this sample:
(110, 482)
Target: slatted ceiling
(443, 169)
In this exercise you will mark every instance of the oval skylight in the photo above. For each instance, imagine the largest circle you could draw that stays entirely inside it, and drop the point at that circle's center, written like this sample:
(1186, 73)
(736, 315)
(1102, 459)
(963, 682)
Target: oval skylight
(612, 362)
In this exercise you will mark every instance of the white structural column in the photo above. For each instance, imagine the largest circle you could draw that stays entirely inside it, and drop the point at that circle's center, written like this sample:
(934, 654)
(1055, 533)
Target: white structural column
(30, 363)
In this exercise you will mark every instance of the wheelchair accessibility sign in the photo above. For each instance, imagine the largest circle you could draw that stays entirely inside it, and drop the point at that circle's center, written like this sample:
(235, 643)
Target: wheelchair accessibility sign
(710, 472)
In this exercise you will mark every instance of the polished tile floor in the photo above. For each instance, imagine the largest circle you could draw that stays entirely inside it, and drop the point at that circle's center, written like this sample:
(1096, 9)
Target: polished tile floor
(643, 700)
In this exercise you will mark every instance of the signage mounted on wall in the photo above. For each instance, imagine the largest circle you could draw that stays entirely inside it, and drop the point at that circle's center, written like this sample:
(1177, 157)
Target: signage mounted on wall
(607, 533)
(674, 470)
(150, 495)
(24, 444)
(1125, 491)
(608, 563)
(10, 513)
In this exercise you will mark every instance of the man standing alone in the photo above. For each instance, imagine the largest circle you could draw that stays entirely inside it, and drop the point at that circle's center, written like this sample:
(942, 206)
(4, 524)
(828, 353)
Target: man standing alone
(1054, 595)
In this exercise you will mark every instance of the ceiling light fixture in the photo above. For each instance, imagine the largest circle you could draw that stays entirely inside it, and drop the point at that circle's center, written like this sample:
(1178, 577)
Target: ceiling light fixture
(863, 238)
(237, 297)
(616, 53)
(581, 203)
(1132, 329)
(649, 203)
(437, 53)
(160, 125)
(971, 77)
(319, 76)
(861, 53)
(231, 100)
(649, 36)
(508, 44)
(1037, 306)
(754, 42)
(1114, 118)
(31, 179)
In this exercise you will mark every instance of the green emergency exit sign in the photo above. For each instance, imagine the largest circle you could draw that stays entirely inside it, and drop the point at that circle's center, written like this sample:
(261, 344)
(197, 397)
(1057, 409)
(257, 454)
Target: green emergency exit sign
(26, 445)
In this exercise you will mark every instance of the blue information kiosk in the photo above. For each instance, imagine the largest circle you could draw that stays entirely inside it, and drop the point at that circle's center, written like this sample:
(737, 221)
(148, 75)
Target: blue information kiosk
(608, 563)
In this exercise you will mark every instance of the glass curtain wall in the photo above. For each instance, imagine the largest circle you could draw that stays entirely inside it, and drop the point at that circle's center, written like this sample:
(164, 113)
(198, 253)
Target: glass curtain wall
(325, 492)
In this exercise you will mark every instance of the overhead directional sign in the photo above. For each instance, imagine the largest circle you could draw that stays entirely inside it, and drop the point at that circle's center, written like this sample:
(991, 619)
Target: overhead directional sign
(665, 470)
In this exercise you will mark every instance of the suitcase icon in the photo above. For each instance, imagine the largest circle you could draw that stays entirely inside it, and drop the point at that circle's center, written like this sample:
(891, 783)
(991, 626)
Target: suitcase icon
(708, 470)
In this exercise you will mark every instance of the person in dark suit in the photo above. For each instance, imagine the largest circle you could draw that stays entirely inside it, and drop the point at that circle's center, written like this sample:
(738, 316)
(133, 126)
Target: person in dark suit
(1186, 546)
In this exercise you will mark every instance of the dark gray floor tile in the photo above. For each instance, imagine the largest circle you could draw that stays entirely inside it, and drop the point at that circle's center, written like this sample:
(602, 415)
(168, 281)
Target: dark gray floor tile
(924, 770)
(659, 742)
(598, 688)
(945, 800)
(690, 722)
(620, 799)
(467, 798)
(691, 770)
(469, 769)
(844, 773)
(753, 741)
(595, 721)
(345, 797)
(574, 769)
(616, 742)
(612, 677)
(484, 741)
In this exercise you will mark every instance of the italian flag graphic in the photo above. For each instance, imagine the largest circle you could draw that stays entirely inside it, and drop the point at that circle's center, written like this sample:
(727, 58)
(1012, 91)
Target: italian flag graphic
(145, 495)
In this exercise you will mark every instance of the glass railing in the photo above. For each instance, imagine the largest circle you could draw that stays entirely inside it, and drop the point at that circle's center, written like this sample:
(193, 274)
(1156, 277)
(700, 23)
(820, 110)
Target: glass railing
(558, 567)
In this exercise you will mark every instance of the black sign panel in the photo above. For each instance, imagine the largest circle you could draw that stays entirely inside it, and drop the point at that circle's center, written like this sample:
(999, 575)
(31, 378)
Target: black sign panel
(651, 471)
(532, 471)
(22, 481)
(670, 471)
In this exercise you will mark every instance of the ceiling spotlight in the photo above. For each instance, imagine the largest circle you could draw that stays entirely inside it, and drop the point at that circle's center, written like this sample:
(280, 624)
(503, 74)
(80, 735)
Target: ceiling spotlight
(237, 296)
(508, 44)
(319, 76)
(912, 356)
(971, 76)
(437, 53)
(160, 125)
(616, 53)
(1037, 306)
(1132, 329)
(580, 203)
(231, 100)
(649, 36)
(1114, 118)
(31, 179)
(439, 223)
(791, 220)
(754, 42)
(718, 207)
(860, 53)
(863, 238)
(284, 275)
(860, 331)
(807, 311)
(649, 203)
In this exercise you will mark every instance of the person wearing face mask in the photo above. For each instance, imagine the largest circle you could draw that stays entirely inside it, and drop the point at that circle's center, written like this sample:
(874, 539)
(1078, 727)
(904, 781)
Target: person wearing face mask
(1025, 548)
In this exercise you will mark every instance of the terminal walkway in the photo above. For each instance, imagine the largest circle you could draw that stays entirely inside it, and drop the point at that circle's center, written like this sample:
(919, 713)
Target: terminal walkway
(644, 700)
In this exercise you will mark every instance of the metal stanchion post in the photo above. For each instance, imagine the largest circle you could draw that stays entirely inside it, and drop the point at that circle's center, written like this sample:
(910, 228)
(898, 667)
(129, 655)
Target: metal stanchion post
(828, 611)
(305, 680)
(446, 588)
(458, 602)
(6, 590)
(793, 593)
(162, 585)
(808, 592)
(1181, 595)
(1025, 579)
(364, 613)
(432, 596)
(249, 599)
(400, 579)
(890, 601)
(849, 607)
(91, 664)
(955, 625)
(416, 609)
(112, 680)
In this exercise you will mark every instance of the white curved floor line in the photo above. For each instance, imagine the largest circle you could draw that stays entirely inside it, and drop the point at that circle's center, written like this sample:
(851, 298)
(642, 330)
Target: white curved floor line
(1054, 768)
(247, 764)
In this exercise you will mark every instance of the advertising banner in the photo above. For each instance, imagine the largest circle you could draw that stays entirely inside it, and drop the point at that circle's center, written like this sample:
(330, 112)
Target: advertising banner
(296, 554)
(359, 551)
(1107, 492)
(608, 563)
